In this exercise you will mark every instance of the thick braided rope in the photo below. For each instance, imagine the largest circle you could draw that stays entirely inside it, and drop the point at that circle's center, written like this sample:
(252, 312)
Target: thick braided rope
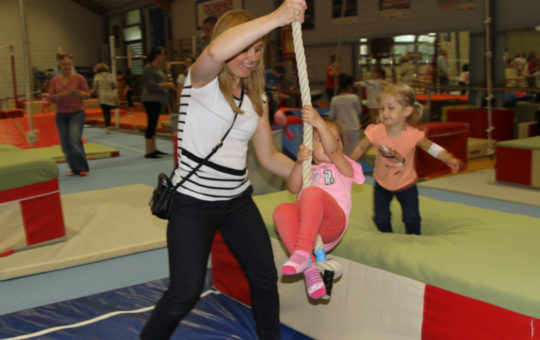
(305, 95)
(330, 264)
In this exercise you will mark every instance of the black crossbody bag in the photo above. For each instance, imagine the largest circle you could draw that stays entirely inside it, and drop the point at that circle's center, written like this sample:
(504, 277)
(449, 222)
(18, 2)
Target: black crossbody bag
(161, 202)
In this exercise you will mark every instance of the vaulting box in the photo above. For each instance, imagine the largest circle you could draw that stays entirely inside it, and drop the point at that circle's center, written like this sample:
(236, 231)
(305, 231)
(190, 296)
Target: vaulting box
(518, 161)
(502, 121)
(31, 210)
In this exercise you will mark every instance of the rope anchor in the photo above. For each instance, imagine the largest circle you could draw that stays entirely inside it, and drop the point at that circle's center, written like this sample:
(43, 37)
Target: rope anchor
(329, 268)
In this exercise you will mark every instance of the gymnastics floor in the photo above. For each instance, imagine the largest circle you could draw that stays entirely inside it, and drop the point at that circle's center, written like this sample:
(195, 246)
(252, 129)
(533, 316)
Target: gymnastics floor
(131, 274)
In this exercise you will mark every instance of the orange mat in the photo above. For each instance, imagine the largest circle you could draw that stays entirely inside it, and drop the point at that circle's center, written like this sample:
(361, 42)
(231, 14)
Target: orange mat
(437, 97)
(47, 135)
(134, 121)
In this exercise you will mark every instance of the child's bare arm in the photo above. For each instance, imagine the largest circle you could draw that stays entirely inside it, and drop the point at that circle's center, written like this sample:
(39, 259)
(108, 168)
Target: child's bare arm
(328, 140)
(438, 152)
(295, 178)
(360, 149)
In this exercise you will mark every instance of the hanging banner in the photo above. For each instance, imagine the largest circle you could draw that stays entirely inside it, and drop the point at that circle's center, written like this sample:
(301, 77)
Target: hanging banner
(394, 8)
(456, 5)
(207, 8)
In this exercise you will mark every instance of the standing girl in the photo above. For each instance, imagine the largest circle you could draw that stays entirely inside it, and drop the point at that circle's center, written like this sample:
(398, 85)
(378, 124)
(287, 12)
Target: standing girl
(346, 108)
(396, 139)
(104, 86)
(322, 208)
(224, 88)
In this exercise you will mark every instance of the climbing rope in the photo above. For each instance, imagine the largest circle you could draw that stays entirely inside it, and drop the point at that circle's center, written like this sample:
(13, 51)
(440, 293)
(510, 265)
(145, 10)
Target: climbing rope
(330, 268)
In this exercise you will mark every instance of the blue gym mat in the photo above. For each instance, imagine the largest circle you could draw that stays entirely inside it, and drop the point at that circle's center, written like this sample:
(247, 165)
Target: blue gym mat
(121, 314)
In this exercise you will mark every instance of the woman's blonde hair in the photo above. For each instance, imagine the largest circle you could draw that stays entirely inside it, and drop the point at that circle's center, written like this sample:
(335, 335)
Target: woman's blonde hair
(254, 84)
(101, 67)
(405, 95)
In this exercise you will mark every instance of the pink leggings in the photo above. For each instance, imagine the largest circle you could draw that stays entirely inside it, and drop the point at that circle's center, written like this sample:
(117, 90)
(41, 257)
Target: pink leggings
(316, 212)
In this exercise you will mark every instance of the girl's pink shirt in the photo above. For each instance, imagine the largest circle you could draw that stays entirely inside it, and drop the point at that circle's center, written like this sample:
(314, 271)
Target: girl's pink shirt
(327, 177)
(68, 104)
(394, 163)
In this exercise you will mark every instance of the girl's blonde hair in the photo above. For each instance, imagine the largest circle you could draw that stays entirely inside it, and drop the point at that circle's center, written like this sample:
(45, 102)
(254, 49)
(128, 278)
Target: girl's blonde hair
(405, 96)
(254, 84)
(101, 67)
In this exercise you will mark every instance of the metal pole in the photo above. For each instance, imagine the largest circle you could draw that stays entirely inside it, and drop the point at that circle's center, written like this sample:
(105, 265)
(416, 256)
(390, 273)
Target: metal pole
(14, 76)
(489, 81)
(113, 71)
(31, 135)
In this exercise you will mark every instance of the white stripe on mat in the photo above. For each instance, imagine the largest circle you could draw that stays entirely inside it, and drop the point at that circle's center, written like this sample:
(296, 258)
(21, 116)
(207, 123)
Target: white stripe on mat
(94, 320)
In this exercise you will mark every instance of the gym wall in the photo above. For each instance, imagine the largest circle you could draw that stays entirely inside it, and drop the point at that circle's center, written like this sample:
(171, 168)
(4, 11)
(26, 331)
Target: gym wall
(50, 24)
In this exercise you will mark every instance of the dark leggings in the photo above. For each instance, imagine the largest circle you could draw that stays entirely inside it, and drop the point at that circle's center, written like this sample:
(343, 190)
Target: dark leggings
(408, 198)
(190, 233)
(153, 109)
(106, 114)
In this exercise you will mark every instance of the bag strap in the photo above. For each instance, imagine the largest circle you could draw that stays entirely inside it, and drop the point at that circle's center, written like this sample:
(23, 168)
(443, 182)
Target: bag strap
(214, 150)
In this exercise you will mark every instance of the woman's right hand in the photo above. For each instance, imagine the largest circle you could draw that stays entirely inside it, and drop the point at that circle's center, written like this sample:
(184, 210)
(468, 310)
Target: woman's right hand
(290, 11)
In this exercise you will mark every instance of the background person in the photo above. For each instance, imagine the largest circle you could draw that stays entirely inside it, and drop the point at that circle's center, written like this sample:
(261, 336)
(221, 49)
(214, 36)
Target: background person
(346, 109)
(332, 72)
(104, 86)
(396, 138)
(68, 90)
(154, 96)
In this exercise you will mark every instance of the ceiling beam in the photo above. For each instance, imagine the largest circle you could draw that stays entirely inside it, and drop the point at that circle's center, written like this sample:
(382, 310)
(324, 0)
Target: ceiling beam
(162, 4)
(90, 6)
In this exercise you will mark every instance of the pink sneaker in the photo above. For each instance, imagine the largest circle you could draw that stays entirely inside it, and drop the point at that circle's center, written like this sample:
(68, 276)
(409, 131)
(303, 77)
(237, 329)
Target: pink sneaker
(314, 283)
(297, 263)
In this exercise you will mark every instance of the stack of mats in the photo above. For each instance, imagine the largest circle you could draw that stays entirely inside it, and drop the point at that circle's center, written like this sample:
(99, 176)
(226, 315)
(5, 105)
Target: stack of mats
(31, 212)
(472, 274)
(518, 162)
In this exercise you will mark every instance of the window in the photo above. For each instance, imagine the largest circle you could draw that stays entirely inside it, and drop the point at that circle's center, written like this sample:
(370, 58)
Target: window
(133, 17)
(132, 33)
(338, 11)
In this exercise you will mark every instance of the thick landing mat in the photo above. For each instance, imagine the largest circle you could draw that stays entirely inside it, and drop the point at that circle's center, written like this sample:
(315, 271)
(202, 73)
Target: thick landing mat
(121, 314)
(483, 184)
(93, 151)
(100, 224)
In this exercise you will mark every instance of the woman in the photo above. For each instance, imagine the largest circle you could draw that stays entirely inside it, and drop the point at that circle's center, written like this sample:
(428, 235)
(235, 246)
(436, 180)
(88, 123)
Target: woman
(68, 90)
(154, 96)
(105, 88)
(226, 79)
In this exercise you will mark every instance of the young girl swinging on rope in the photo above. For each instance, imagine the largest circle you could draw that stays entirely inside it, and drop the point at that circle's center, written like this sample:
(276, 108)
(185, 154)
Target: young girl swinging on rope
(322, 208)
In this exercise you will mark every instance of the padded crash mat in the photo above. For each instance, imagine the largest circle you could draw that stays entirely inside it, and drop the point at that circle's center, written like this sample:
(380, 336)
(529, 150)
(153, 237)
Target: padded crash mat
(93, 151)
(100, 224)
